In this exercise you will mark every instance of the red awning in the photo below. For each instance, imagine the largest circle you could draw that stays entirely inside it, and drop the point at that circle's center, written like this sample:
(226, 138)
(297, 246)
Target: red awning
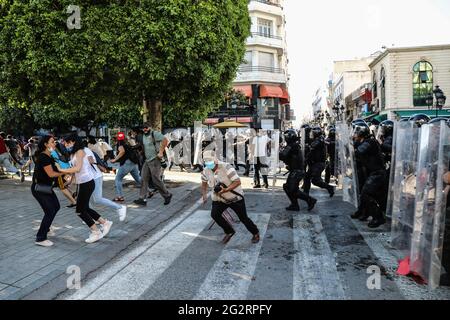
(246, 90)
(267, 91)
(211, 121)
(245, 120)
(285, 99)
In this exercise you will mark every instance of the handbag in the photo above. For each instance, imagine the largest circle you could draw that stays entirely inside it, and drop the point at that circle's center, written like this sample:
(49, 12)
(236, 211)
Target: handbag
(43, 188)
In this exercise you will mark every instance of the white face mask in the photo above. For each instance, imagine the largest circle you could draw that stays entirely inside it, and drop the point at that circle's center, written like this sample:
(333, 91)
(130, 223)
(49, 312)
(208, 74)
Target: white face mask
(51, 150)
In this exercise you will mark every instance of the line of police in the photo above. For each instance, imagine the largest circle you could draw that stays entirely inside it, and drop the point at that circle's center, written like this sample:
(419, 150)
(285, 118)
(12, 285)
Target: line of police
(306, 155)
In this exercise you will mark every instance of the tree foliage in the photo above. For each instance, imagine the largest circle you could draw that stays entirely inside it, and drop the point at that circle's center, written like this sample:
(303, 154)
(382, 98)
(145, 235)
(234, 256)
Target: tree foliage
(182, 52)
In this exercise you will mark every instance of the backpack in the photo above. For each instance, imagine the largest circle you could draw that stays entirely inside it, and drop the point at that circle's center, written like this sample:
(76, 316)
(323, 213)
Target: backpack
(133, 155)
(103, 166)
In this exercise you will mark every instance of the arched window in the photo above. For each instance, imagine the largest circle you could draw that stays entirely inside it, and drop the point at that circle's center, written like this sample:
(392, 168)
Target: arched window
(383, 88)
(422, 83)
(375, 86)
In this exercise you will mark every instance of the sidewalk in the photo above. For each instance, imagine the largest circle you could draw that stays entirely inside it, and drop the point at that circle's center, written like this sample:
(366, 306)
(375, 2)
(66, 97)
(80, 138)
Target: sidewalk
(30, 271)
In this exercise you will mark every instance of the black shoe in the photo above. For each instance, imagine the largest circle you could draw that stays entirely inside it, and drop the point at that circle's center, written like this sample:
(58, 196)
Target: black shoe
(375, 223)
(256, 238)
(71, 205)
(258, 186)
(293, 208)
(331, 192)
(311, 204)
(357, 215)
(140, 202)
(168, 199)
(266, 186)
(363, 218)
(246, 174)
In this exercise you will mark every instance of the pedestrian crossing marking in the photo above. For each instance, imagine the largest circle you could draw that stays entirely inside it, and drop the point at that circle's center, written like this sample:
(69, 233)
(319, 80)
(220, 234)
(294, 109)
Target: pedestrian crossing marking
(315, 273)
(229, 277)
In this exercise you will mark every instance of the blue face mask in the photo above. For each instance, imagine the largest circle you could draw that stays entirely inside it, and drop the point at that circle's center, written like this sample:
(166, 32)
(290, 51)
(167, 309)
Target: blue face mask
(210, 165)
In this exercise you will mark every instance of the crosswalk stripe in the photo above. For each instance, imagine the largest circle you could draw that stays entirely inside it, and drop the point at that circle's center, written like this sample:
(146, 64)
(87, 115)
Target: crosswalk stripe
(231, 275)
(315, 273)
(131, 282)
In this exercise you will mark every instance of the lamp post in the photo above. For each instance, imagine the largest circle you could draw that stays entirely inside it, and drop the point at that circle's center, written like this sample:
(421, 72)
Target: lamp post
(440, 99)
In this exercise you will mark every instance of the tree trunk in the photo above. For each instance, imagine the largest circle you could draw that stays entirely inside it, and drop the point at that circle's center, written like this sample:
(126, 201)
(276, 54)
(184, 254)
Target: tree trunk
(153, 113)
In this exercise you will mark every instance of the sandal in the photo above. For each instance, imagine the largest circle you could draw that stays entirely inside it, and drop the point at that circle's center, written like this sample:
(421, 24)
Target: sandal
(119, 199)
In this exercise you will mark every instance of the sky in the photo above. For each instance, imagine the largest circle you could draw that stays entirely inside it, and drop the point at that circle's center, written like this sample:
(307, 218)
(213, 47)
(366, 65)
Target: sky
(322, 31)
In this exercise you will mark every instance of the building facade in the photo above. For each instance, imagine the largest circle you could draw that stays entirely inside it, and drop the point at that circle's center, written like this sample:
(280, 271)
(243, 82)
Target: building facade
(263, 77)
(349, 77)
(403, 78)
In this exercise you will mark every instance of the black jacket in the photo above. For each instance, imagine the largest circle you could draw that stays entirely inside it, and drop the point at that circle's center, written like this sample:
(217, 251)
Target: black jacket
(369, 155)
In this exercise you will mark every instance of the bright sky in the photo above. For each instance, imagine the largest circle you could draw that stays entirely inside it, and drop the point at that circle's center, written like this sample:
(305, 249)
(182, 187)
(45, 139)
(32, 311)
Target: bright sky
(322, 31)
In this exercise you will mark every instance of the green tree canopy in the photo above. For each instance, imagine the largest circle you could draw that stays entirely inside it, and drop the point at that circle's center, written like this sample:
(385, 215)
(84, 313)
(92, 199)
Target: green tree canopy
(184, 53)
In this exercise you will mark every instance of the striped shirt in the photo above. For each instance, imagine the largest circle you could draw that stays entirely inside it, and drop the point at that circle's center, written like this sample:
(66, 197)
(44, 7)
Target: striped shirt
(225, 174)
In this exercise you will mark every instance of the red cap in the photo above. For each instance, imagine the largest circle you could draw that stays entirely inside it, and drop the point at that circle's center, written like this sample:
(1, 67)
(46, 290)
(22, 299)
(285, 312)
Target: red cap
(120, 136)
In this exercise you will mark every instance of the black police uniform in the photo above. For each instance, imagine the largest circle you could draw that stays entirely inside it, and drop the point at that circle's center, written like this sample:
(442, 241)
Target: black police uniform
(330, 143)
(316, 165)
(292, 157)
(369, 154)
(386, 149)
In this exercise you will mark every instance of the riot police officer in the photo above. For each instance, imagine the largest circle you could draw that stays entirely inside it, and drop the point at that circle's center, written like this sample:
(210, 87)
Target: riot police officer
(292, 156)
(386, 132)
(330, 143)
(368, 152)
(315, 160)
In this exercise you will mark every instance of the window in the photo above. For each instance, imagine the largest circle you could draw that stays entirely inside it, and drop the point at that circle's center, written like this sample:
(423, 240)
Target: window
(375, 86)
(266, 59)
(265, 27)
(248, 59)
(422, 83)
(383, 88)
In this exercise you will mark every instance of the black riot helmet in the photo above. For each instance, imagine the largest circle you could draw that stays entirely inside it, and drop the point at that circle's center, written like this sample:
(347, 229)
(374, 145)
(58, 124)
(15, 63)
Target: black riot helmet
(420, 119)
(332, 133)
(438, 120)
(316, 132)
(361, 130)
(359, 122)
(290, 136)
(305, 126)
(387, 128)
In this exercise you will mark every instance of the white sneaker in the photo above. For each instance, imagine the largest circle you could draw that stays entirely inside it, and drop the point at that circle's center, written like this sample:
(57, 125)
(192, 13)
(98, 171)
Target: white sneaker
(94, 236)
(122, 213)
(45, 243)
(106, 227)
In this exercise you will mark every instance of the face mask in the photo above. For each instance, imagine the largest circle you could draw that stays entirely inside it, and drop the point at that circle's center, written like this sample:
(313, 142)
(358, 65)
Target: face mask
(210, 165)
(51, 150)
(69, 149)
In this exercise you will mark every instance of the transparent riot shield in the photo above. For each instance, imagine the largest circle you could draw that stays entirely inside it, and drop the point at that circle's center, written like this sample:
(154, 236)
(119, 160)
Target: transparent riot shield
(337, 164)
(390, 198)
(348, 174)
(303, 140)
(430, 206)
(274, 161)
(404, 184)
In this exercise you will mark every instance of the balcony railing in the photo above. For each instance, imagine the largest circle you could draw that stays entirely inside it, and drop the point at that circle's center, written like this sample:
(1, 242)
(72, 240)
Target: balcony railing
(265, 35)
(272, 3)
(260, 69)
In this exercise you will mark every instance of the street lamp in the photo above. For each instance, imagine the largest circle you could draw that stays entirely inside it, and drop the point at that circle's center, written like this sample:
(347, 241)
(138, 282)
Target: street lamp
(440, 99)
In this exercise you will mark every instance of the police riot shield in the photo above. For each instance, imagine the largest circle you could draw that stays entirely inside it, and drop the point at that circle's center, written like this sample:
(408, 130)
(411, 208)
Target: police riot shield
(430, 206)
(391, 177)
(303, 140)
(347, 174)
(404, 184)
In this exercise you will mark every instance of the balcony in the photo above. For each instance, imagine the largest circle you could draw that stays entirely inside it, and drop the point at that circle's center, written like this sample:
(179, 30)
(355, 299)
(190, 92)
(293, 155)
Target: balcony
(256, 74)
(265, 6)
(263, 39)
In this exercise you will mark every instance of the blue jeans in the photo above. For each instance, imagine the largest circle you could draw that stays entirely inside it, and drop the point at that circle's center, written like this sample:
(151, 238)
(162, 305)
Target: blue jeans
(128, 167)
(97, 196)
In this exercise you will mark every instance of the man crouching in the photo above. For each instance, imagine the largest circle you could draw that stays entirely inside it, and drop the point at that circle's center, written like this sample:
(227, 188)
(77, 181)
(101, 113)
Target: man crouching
(227, 193)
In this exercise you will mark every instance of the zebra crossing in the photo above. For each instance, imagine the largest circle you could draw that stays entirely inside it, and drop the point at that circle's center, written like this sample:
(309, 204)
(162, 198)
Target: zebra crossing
(231, 270)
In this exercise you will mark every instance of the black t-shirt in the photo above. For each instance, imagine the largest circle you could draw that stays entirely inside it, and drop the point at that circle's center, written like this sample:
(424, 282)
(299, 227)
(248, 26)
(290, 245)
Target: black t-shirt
(126, 156)
(40, 176)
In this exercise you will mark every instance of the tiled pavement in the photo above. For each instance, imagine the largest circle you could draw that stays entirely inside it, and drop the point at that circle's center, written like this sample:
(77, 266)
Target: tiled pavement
(25, 267)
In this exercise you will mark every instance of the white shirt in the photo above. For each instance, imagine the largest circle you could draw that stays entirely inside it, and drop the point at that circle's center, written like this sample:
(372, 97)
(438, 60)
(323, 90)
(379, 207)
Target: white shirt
(225, 174)
(260, 145)
(97, 173)
(86, 173)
